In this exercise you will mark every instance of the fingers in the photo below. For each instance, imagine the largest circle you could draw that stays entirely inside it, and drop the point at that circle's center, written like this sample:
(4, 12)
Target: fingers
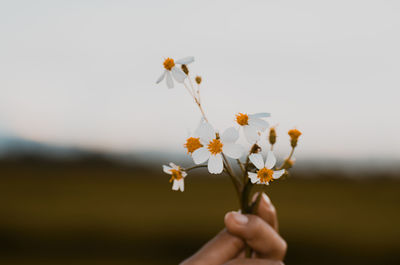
(220, 249)
(254, 262)
(258, 234)
(267, 211)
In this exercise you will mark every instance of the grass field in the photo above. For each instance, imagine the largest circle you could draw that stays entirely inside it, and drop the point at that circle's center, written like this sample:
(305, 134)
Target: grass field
(94, 212)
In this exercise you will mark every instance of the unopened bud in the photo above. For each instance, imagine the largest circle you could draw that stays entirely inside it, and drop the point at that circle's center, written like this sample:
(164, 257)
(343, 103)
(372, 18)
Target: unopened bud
(294, 136)
(272, 136)
(198, 79)
(288, 163)
(185, 69)
(255, 149)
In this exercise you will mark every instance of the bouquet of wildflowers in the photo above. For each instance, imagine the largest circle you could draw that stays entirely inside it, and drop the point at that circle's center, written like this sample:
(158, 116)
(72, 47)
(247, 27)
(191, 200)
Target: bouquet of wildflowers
(216, 151)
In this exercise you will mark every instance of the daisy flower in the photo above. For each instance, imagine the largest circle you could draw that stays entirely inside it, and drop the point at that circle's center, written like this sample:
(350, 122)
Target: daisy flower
(214, 146)
(177, 176)
(172, 71)
(193, 142)
(264, 174)
(251, 124)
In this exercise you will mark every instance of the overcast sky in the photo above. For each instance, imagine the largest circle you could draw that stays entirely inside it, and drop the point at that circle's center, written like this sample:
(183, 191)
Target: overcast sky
(83, 72)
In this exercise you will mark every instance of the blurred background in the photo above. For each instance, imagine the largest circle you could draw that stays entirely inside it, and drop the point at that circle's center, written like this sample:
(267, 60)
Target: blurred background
(84, 129)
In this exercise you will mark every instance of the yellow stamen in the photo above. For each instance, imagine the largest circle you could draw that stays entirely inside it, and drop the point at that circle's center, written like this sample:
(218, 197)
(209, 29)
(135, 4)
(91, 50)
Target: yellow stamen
(215, 146)
(242, 119)
(265, 175)
(169, 63)
(192, 144)
(294, 134)
(176, 174)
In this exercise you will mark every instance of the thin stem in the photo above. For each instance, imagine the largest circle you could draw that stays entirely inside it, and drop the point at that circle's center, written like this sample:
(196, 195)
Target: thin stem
(288, 158)
(197, 101)
(235, 180)
(190, 92)
(194, 167)
(291, 153)
(191, 85)
(246, 165)
(202, 111)
(198, 93)
(241, 166)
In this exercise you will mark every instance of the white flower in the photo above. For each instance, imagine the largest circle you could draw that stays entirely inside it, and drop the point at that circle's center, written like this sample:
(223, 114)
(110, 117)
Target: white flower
(193, 141)
(177, 176)
(252, 123)
(213, 147)
(176, 72)
(265, 174)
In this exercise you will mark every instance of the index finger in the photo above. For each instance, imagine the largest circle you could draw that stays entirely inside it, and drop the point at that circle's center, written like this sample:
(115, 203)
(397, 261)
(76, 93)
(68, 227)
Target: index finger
(266, 210)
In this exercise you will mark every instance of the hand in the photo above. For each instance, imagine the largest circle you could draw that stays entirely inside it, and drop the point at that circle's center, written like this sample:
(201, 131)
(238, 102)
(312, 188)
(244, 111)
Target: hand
(259, 232)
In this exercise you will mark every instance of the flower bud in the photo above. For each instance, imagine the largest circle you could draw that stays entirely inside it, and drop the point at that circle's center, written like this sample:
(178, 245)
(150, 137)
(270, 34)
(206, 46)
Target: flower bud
(185, 69)
(198, 79)
(272, 136)
(288, 163)
(255, 149)
(294, 136)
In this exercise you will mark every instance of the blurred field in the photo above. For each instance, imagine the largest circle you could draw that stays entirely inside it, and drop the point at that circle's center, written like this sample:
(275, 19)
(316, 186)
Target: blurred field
(97, 212)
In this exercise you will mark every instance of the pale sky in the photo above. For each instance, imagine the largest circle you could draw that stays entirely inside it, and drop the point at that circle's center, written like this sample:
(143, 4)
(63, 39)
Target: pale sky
(83, 73)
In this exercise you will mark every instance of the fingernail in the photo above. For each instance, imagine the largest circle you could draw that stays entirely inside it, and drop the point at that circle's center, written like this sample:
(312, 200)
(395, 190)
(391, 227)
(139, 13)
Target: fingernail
(240, 218)
(266, 198)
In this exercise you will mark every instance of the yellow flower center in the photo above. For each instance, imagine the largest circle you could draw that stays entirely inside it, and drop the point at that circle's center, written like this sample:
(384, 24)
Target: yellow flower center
(215, 146)
(176, 174)
(169, 63)
(265, 175)
(294, 134)
(242, 119)
(192, 144)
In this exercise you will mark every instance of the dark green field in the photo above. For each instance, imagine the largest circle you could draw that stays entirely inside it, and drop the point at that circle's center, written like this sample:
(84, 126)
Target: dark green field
(94, 212)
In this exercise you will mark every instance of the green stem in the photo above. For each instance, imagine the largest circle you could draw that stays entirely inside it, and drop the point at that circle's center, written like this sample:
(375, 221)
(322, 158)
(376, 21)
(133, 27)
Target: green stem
(194, 167)
(247, 209)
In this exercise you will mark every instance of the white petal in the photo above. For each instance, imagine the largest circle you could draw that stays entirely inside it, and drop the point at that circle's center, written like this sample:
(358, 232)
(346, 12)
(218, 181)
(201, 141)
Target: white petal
(206, 132)
(170, 83)
(271, 160)
(161, 78)
(259, 123)
(253, 177)
(251, 133)
(178, 74)
(181, 185)
(178, 185)
(257, 160)
(175, 185)
(200, 155)
(167, 169)
(230, 135)
(260, 115)
(184, 174)
(233, 150)
(196, 132)
(173, 166)
(215, 164)
(278, 174)
(186, 60)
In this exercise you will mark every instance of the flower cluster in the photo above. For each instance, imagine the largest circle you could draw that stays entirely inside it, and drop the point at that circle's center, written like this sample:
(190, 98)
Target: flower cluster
(208, 148)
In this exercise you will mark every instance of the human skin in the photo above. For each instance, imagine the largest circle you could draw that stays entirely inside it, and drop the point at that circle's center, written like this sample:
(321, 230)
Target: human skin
(259, 231)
